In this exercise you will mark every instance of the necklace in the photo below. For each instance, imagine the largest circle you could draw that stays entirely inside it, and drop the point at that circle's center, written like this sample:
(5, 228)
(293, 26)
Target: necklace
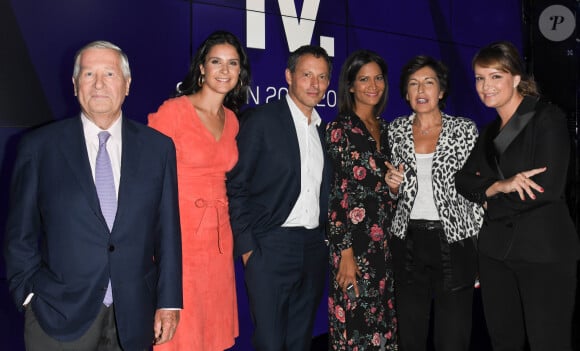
(425, 131)
(428, 130)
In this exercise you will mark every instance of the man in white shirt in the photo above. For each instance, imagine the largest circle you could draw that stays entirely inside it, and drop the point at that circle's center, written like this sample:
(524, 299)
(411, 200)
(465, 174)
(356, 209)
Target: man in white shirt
(278, 195)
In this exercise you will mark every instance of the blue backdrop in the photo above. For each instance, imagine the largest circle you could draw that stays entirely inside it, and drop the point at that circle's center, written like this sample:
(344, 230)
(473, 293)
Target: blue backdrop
(159, 36)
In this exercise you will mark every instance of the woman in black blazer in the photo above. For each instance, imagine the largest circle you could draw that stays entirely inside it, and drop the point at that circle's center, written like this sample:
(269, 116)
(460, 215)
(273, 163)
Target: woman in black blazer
(528, 247)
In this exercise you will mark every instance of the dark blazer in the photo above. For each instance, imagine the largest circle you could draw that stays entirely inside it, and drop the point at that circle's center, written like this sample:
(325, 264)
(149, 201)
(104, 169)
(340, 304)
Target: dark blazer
(54, 203)
(539, 230)
(265, 184)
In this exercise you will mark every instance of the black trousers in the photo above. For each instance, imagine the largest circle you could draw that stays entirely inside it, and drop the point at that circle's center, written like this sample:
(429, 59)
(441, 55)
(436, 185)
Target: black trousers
(285, 278)
(533, 299)
(101, 336)
(419, 286)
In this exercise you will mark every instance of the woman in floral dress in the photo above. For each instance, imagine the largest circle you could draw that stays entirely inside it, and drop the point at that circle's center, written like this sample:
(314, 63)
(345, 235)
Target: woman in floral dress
(362, 316)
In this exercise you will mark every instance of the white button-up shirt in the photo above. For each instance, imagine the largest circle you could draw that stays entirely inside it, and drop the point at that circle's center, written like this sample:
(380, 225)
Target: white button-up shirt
(306, 211)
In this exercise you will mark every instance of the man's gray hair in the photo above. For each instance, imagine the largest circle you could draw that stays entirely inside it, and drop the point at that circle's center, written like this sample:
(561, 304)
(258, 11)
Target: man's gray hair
(101, 44)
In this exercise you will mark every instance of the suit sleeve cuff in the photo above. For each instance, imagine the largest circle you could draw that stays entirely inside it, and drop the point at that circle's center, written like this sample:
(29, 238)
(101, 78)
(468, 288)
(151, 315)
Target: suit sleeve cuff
(28, 299)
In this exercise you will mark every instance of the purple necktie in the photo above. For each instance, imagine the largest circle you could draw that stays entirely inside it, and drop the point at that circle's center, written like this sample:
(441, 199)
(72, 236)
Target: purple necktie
(105, 184)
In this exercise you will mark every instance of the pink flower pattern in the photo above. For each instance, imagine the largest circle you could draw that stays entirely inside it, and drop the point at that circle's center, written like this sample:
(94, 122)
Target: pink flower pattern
(335, 135)
(376, 233)
(357, 215)
(359, 172)
(339, 313)
(360, 210)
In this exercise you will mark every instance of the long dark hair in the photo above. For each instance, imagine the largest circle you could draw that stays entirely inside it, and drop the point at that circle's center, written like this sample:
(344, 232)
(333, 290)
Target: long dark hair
(237, 96)
(348, 74)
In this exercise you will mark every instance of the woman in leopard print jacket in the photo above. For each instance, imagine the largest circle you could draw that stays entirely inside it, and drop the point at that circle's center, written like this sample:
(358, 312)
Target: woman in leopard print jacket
(434, 228)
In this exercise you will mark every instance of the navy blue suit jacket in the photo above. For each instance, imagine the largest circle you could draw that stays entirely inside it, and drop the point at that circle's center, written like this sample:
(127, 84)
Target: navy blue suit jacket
(265, 184)
(58, 245)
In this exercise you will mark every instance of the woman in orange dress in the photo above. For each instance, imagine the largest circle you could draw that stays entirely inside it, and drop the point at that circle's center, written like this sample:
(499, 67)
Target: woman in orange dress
(201, 121)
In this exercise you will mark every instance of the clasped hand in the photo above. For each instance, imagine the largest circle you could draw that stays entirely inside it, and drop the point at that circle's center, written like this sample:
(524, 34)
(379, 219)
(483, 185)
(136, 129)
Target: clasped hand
(394, 177)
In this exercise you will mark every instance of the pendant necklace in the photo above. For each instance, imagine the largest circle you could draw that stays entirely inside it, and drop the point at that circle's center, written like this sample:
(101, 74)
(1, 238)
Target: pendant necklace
(427, 130)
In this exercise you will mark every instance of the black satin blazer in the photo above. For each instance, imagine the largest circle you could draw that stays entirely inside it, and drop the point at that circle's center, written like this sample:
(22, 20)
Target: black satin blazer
(539, 230)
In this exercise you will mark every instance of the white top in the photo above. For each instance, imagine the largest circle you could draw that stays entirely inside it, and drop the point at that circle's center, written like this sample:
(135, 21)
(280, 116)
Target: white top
(424, 205)
(306, 211)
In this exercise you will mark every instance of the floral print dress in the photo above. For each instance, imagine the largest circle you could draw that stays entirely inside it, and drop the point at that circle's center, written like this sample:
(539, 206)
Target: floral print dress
(360, 211)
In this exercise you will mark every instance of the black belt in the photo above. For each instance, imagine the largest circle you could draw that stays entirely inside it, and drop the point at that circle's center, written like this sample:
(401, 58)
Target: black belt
(425, 224)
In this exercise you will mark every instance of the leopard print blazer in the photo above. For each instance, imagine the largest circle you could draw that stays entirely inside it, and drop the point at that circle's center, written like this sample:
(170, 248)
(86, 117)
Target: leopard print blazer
(460, 218)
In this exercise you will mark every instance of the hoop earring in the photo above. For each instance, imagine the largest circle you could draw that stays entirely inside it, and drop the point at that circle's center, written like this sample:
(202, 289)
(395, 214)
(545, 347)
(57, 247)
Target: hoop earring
(200, 80)
(238, 87)
(240, 83)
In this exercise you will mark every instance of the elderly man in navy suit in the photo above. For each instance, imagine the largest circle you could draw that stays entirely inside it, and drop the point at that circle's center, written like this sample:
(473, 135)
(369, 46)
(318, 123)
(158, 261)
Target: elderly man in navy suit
(93, 247)
(278, 195)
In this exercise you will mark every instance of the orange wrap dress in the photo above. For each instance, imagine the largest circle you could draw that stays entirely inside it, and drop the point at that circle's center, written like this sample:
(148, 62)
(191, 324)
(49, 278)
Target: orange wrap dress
(209, 319)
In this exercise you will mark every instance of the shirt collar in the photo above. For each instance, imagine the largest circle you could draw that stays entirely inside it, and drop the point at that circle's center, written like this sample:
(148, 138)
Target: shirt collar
(298, 116)
(90, 128)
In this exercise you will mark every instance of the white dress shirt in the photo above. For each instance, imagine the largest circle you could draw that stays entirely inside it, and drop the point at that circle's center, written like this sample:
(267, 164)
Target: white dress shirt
(306, 211)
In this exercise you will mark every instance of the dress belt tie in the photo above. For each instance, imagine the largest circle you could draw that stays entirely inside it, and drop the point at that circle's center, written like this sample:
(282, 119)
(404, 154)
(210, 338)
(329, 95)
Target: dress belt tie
(205, 204)
(210, 203)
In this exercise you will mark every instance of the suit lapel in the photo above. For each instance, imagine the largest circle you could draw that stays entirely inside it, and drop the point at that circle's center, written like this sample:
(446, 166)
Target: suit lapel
(498, 140)
(130, 160)
(486, 138)
(515, 125)
(74, 150)
(321, 133)
(288, 130)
